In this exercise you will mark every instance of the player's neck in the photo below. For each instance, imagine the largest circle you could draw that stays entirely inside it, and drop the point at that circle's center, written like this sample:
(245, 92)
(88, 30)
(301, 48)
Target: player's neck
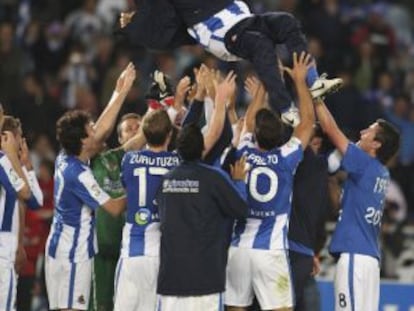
(157, 148)
(83, 157)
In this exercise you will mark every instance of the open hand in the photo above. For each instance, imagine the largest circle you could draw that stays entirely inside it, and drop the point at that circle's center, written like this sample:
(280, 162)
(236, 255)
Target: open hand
(251, 85)
(301, 64)
(239, 169)
(126, 79)
(25, 154)
(226, 88)
(183, 86)
(125, 18)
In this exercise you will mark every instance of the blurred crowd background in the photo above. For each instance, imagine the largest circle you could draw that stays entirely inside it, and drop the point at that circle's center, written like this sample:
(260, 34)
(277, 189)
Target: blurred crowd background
(61, 55)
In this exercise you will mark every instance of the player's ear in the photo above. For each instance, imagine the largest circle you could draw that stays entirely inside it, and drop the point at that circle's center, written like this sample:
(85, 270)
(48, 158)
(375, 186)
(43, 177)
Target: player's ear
(376, 144)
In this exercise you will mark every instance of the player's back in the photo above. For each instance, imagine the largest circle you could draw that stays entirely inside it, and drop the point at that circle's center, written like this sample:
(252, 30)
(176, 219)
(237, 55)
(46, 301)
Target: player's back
(142, 172)
(269, 188)
(362, 204)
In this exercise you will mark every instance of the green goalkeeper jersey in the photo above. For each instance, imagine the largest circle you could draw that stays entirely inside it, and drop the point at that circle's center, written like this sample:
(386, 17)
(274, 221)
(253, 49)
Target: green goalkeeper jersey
(106, 168)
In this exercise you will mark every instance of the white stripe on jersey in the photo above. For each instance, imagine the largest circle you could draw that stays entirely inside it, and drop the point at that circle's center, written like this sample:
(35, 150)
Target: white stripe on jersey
(126, 240)
(278, 239)
(15, 180)
(213, 39)
(249, 235)
(9, 240)
(291, 146)
(67, 240)
(152, 239)
(95, 191)
(2, 202)
(152, 236)
(246, 141)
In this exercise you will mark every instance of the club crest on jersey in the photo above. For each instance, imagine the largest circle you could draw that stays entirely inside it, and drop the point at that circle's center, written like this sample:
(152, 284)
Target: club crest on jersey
(13, 176)
(96, 191)
(81, 300)
(143, 216)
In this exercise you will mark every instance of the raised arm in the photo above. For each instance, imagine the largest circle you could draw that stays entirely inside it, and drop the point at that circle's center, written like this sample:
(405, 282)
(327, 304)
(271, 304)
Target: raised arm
(330, 127)
(224, 91)
(258, 93)
(106, 121)
(298, 74)
(8, 145)
(197, 106)
(137, 141)
(36, 200)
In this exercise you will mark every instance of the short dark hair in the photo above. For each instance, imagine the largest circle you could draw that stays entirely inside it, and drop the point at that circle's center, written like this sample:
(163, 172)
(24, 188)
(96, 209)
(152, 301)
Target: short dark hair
(156, 127)
(11, 124)
(389, 137)
(190, 143)
(71, 129)
(268, 129)
(127, 116)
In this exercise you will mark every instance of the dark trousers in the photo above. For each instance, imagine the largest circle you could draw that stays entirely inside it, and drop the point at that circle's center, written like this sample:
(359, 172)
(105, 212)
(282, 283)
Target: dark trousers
(24, 293)
(255, 39)
(302, 266)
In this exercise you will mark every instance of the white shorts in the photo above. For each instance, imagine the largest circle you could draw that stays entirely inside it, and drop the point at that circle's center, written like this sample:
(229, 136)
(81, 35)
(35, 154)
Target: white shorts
(357, 283)
(68, 284)
(8, 285)
(264, 273)
(213, 302)
(136, 284)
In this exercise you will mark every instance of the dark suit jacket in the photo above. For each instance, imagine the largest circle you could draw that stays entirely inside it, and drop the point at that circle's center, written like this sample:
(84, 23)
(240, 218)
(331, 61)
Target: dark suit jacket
(162, 24)
(156, 26)
(195, 11)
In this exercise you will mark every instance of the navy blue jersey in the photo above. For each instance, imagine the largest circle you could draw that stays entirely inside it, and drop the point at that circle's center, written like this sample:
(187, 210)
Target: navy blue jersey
(196, 203)
(362, 204)
(142, 172)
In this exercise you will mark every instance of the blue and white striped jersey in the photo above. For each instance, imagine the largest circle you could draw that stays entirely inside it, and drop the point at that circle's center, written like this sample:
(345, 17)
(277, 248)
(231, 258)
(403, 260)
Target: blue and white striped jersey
(10, 184)
(142, 173)
(269, 188)
(76, 196)
(211, 32)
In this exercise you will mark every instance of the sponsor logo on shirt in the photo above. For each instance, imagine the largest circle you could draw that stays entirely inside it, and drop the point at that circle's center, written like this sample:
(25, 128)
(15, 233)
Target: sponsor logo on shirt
(180, 186)
(143, 216)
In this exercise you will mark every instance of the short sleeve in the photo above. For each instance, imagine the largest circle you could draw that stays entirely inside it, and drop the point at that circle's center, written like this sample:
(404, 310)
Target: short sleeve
(292, 153)
(89, 191)
(334, 161)
(8, 176)
(246, 141)
(355, 160)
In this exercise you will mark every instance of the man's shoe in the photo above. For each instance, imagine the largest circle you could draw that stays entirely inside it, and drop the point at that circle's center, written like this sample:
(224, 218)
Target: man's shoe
(291, 116)
(323, 86)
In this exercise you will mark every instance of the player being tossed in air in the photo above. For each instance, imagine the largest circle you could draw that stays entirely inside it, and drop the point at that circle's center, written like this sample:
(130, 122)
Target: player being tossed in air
(355, 240)
(258, 258)
(228, 30)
